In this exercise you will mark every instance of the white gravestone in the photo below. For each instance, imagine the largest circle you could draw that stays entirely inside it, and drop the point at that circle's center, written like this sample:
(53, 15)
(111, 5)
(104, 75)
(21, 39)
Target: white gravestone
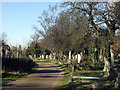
(76, 56)
(46, 56)
(69, 54)
(42, 56)
(79, 57)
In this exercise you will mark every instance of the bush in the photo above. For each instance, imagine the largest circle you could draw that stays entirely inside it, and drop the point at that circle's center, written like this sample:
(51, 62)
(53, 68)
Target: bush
(18, 64)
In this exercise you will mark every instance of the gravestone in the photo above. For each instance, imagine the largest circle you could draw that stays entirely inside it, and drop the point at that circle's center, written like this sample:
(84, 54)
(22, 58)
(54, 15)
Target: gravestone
(50, 56)
(54, 54)
(69, 54)
(46, 56)
(79, 57)
(42, 56)
(76, 56)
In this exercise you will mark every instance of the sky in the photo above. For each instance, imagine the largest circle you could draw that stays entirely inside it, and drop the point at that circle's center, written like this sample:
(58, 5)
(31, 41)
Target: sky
(18, 19)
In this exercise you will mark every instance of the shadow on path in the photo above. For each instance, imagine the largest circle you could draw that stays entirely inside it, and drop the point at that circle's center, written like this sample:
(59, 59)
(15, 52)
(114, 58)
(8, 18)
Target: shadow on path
(47, 71)
(46, 76)
(9, 85)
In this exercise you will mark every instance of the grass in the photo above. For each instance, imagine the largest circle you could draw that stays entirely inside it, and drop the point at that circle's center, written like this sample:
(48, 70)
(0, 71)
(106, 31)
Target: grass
(96, 73)
(7, 77)
(66, 81)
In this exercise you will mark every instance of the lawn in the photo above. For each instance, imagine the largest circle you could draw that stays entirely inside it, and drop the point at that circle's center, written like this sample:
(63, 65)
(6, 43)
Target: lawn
(7, 77)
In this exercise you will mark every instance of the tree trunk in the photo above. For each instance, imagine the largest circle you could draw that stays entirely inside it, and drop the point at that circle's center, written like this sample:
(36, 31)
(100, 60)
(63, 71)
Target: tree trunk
(109, 66)
(117, 83)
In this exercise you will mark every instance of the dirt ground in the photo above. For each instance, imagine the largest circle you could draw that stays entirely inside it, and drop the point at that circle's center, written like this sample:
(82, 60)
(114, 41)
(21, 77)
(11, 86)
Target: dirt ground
(47, 76)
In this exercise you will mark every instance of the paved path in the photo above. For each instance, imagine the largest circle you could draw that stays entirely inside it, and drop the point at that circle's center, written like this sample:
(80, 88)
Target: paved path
(47, 76)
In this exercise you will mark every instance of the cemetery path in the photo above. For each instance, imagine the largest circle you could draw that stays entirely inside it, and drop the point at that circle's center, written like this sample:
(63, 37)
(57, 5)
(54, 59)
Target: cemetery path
(48, 76)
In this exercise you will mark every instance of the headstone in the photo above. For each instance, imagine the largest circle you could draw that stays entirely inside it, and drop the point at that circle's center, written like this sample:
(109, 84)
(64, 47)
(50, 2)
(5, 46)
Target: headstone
(117, 32)
(46, 56)
(76, 56)
(34, 55)
(79, 57)
(50, 56)
(42, 56)
(69, 54)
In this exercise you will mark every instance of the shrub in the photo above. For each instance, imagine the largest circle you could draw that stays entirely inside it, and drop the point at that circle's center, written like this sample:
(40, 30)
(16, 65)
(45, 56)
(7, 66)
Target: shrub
(18, 64)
